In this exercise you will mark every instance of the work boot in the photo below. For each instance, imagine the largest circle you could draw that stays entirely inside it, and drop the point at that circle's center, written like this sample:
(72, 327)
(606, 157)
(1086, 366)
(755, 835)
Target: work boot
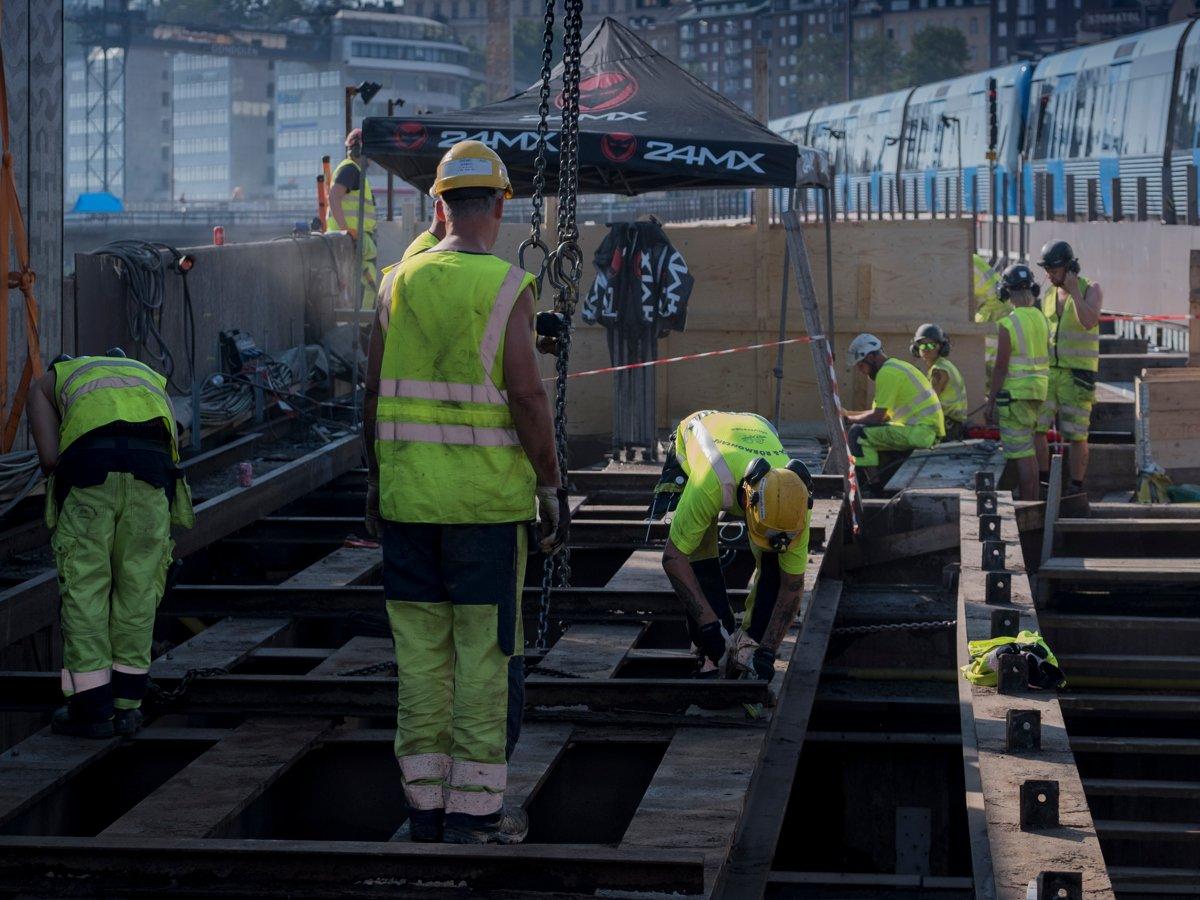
(421, 827)
(127, 721)
(510, 827)
(63, 722)
(764, 664)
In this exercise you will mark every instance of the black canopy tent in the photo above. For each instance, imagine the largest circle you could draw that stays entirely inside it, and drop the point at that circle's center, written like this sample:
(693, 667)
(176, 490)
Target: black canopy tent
(644, 125)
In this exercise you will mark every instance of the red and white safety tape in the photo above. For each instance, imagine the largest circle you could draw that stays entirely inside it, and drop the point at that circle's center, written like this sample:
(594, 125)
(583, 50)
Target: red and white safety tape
(851, 473)
(686, 357)
(1134, 317)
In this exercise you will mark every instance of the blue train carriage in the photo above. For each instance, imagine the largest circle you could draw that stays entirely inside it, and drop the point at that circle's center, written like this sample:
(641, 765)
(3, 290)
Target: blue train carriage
(1183, 122)
(793, 128)
(1102, 111)
(936, 113)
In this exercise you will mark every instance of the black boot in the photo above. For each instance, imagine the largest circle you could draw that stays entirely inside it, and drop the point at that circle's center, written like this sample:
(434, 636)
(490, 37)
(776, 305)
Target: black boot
(87, 714)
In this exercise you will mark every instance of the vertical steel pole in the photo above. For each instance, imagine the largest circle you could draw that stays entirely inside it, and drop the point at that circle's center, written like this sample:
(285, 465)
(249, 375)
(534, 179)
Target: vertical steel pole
(829, 270)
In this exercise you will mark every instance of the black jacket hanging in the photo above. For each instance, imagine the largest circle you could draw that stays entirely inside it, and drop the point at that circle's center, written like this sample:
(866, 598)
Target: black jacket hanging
(641, 281)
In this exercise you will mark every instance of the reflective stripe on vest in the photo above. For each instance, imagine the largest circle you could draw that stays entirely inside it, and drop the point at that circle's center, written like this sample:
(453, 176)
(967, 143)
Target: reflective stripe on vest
(1028, 372)
(427, 433)
(350, 201)
(708, 447)
(1071, 345)
(66, 396)
(954, 395)
(489, 347)
(922, 399)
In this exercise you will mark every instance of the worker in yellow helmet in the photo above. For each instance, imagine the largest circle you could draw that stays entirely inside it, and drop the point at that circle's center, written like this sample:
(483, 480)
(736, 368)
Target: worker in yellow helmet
(1020, 379)
(905, 414)
(350, 186)
(733, 463)
(931, 345)
(461, 455)
(428, 238)
(105, 435)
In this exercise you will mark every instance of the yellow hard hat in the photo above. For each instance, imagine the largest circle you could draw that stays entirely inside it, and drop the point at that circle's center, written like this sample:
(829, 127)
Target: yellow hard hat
(471, 164)
(776, 506)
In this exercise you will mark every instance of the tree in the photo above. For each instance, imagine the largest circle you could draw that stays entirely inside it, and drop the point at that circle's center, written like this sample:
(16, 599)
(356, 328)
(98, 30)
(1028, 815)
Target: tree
(937, 53)
(820, 72)
(878, 66)
(528, 36)
(231, 13)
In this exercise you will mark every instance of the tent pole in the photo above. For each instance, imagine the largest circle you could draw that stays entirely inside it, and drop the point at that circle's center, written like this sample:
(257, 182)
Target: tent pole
(829, 270)
(783, 298)
(359, 288)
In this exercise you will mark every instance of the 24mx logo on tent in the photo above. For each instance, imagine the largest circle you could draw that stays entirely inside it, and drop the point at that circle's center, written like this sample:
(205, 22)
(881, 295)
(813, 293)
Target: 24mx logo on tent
(603, 91)
(498, 140)
(692, 155)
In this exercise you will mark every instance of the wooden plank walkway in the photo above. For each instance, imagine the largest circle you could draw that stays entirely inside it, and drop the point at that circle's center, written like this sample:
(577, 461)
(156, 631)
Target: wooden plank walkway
(1007, 856)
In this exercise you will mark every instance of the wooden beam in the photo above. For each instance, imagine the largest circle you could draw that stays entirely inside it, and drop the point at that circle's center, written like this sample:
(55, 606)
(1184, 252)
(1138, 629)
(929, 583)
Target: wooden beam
(220, 646)
(214, 789)
(1092, 570)
(1006, 857)
(748, 866)
(591, 651)
(902, 545)
(1053, 501)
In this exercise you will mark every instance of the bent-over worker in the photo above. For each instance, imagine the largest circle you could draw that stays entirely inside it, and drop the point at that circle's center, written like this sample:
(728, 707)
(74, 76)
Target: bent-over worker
(1019, 378)
(1072, 307)
(932, 347)
(905, 414)
(105, 435)
(460, 447)
(349, 179)
(734, 464)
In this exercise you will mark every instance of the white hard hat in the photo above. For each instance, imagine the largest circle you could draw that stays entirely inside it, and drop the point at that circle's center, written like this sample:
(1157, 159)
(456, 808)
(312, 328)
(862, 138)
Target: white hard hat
(862, 347)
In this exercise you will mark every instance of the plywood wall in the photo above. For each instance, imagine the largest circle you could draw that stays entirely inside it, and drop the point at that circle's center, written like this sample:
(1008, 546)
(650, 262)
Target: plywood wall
(889, 278)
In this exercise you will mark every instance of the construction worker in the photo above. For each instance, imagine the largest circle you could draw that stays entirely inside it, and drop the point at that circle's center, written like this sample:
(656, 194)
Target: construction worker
(344, 197)
(1020, 376)
(989, 307)
(1072, 307)
(105, 436)
(461, 451)
(905, 414)
(733, 463)
(427, 238)
(932, 347)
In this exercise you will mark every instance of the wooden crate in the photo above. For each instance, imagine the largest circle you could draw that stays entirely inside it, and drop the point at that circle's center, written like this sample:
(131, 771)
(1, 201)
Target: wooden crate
(1168, 421)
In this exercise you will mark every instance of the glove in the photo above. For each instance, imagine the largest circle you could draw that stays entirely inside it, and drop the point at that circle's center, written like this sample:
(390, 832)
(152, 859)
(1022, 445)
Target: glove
(738, 661)
(712, 641)
(554, 516)
(371, 518)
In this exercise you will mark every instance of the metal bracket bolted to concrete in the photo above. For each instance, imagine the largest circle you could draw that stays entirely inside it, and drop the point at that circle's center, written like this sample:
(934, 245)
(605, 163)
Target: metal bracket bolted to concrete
(1039, 804)
(1005, 623)
(992, 559)
(999, 587)
(1022, 730)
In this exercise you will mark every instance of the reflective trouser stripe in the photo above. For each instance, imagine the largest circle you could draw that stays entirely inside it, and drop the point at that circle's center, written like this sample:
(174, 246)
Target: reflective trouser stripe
(1069, 402)
(75, 682)
(476, 789)
(428, 433)
(708, 447)
(130, 670)
(424, 776)
(1017, 421)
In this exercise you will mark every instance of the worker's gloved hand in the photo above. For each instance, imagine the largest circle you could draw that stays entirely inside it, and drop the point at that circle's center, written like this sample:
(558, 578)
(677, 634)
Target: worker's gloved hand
(554, 518)
(738, 661)
(712, 641)
(371, 518)
(353, 232)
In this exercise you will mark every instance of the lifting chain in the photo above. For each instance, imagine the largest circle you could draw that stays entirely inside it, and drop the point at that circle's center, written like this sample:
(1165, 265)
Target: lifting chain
(894, 626)
(156, 694)
(565, 269)
(537, 201)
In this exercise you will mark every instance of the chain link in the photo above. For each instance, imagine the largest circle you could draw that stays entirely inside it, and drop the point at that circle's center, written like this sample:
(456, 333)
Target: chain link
(158, 695)
(565, 271)
(535, 240)
(895, 626)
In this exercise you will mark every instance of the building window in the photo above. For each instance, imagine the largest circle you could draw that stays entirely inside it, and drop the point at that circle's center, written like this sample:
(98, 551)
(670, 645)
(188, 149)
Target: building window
(1001, 29)
(1051, 25)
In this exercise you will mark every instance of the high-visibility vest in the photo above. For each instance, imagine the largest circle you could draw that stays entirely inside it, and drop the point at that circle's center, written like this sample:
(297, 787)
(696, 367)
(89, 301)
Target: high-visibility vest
(992, 310)
(725, 443)
(1029, 360)
(1071, 345)
(93, 391)
(447, 448)
(986, 280)
(350, 202)
(953, 397)
(916, 403)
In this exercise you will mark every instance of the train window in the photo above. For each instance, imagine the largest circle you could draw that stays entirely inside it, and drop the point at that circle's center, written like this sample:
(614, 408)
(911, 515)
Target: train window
(1145, 120)
(1125, 50)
